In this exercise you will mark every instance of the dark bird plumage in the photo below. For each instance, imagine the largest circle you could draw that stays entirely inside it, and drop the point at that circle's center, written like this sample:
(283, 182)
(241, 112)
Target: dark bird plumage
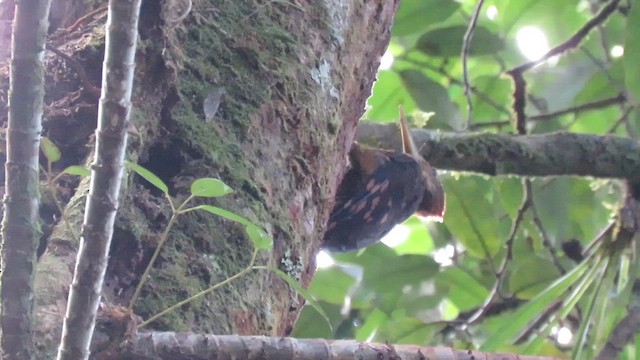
(382, 188)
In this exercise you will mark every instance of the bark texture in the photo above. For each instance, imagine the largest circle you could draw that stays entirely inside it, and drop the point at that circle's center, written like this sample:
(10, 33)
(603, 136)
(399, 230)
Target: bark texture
(193, 346)
(295, 78)
(504, 154)
(20, 226)
(107, 170)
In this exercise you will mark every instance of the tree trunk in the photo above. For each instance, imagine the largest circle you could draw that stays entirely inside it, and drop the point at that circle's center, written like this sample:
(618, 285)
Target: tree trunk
(295, 76)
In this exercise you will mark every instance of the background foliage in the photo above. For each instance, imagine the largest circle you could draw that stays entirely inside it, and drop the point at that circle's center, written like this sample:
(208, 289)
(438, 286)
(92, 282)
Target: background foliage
(432, 285)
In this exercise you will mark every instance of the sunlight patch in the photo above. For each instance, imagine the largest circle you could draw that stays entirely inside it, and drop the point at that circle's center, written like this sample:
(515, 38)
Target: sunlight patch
(532, 42)
(397, 235)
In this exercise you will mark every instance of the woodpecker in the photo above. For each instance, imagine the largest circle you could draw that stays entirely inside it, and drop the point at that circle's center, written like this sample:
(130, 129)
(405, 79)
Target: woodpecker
(380, 189)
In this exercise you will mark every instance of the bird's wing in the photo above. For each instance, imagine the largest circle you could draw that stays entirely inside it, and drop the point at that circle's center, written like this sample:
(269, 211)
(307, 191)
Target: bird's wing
(380, 190)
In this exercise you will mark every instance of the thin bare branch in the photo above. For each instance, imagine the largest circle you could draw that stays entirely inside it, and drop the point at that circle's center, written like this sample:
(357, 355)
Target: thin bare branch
(517, 73)
(546, 242)
(466, 45)
(621, 335)
(588, 106)
(574, 40)
(527, 201)
(578, 109)
(479, 94)
(78, 69)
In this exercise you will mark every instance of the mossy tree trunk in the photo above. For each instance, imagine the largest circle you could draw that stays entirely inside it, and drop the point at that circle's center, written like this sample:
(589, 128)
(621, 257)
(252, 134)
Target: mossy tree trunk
(295, 76)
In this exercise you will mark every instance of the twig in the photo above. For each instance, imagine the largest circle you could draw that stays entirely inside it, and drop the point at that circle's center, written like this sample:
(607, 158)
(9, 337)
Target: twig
(480, 95)
(51, 187)
(527, 201)
(594, 105)
(466, 45)
(604, 41)
(165, 235)
(545, 239)
(588, 106)
(519, 93)
(574, 40)
(78, 68)
(603, 68)
(86, 18)
(623, 119)
(533, 329)
(486, 124)
(621, 334)
(238, 275)
(468, 214)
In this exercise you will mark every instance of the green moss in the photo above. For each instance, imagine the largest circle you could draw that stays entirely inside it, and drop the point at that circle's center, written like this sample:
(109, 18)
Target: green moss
(184, 270)
(237, 48)
(239, 45)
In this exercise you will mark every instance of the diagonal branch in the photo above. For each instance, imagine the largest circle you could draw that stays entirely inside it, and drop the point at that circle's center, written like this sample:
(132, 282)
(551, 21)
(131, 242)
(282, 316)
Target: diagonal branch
(517, 73)
(575, 39)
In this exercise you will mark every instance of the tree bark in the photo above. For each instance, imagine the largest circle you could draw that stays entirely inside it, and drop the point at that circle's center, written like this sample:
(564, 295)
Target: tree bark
(107, 169)
(295, 75)
(20, 226)
(503, 154)
(176, 346)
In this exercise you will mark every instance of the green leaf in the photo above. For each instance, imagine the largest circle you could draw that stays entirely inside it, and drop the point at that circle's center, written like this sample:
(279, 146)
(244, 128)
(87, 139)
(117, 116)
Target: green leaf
(510, 191)
(465, 291)
(447, 42)
(472, 216)
(632, 52)
(388, 92)
(397, 272)
(498, 89)
(430, 96)
(526, 313)
(259, 238)
(209, 187)
(588, 315)
(295, 285)
(419, 241)
(514, 10)
(50, 150)
(311, 325)
(224, 213)
(599, 87)
(149, 176)
(331, 285)
(77, 170)
(531, 275)
(569, 209)
(375, 319)
(594, 275)
(408, 330)
(449, 310)
(417, 15)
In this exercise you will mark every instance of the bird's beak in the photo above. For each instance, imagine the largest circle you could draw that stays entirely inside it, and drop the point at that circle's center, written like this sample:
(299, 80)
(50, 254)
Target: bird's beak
(408, 146)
